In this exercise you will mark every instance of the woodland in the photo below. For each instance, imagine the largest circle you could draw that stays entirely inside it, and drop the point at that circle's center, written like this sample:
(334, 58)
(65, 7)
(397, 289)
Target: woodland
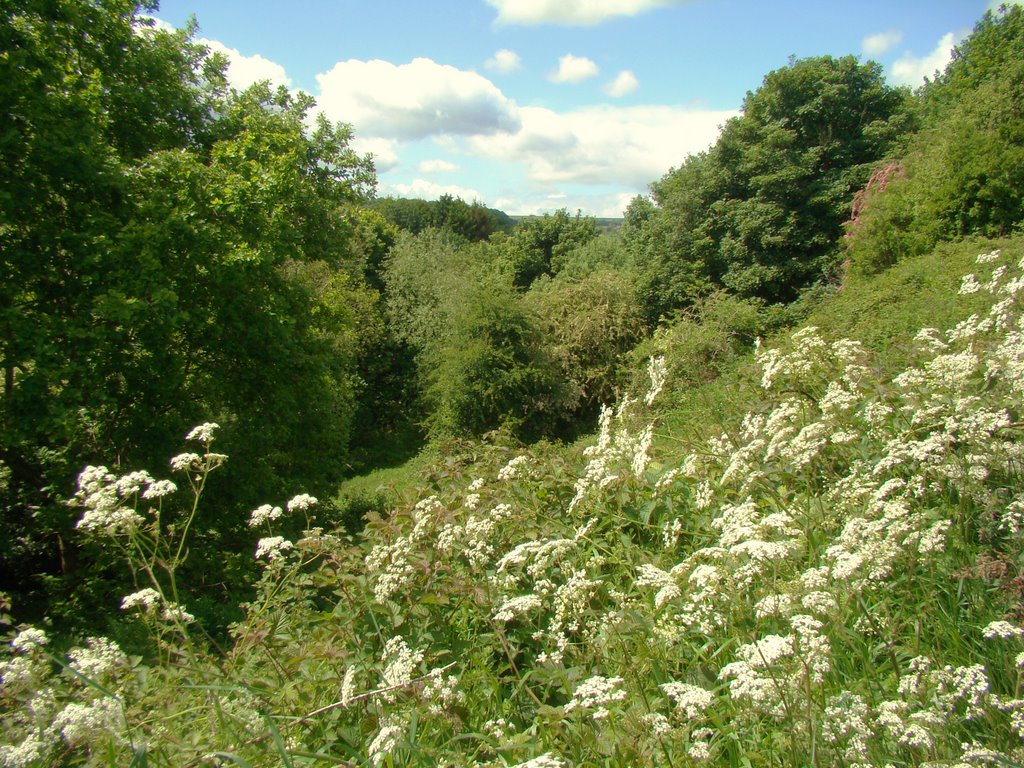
(295, 474)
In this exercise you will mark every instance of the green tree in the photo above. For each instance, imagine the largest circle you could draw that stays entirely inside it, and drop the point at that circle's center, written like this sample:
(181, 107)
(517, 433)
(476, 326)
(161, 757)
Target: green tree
(494, 370)
(171, 252)
(537, 246)
(963, 173)
(761, 213)
(588, 323)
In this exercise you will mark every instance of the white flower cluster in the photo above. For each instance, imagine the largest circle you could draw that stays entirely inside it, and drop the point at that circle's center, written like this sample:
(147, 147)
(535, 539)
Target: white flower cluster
(98, 660)
(400, 662)
(390, 565)
(775, 671)
(691, 701)
(149, 600)
(203, 433)
(595, 694)
(547, 760)
(273, 548)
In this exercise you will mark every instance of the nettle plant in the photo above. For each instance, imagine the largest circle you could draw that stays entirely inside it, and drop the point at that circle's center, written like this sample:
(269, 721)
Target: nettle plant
(833, 581)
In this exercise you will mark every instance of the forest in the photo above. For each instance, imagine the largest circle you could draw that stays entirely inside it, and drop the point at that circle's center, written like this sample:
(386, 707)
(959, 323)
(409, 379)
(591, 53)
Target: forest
(294, 474)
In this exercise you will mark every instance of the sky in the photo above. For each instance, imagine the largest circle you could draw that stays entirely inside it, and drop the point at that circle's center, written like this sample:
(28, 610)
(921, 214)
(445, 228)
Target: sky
(530, 106)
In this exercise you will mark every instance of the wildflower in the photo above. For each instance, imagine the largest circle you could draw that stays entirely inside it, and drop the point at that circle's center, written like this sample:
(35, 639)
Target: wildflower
(159, 489)
(442, 693)
(516, 606)
(1002, 629)
(186, 462)
(132, 483)
(401, 663)
(658, 372)
(177, 613)
(511, 470)
(691, 701)
(29, 752)
(79, 723)
(264, 514)
(99, 658)
(29, 640)
(386, 740)
(699, 750)
(348, 686)
(203, 433)
(148, 598)
(273, 547)
(657, 723)
(594, 693)
(301, 503)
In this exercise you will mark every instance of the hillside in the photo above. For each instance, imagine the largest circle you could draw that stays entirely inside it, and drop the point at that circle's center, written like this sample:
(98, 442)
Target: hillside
(827, 576)
(292, 474)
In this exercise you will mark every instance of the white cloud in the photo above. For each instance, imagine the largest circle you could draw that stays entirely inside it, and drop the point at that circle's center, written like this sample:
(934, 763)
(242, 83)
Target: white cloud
(882, 42)
(910, 70)
(437, 166)
(385, 155)
(572, 12)
(428, 190)
(611, 204)
(414, 100)
(243, 70)
(624, 83)
(603, 145)
(572, 69)
(504, 61)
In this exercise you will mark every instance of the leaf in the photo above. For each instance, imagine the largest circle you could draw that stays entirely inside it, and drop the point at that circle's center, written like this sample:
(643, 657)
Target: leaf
(278, 742)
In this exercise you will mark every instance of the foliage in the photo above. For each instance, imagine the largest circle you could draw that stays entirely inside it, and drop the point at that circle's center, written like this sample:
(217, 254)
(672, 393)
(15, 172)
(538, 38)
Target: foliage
(471, 221)
(173, 252)
(538, 246)
(761, 212)
(700, 343)
(832, 580)
(493, 370)
(962, 173)
(589, 324)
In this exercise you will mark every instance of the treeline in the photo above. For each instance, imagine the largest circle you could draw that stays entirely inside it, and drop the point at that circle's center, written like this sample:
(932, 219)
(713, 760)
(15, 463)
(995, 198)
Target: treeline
(176, 252)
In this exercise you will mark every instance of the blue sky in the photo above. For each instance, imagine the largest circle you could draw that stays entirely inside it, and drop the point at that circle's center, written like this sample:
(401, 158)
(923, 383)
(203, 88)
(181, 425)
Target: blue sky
(534, 105)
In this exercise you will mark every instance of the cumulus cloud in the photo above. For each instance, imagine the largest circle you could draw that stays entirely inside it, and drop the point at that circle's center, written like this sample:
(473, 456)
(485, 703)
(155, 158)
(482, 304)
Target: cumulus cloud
(428, 190)
(882, 42)
(385, 154)
(624, 83)
(911, 70)
(414, 100)
(572, 12)
(603, 145)
(572, 69)
(504, 61)
(244, 70)
(437, 166)
(611, 204)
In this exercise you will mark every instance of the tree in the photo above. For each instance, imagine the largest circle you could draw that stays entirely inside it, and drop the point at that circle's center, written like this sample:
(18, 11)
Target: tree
(761, 213)
(172, 252)
(963, 173)
(537, 245)
(493, 371)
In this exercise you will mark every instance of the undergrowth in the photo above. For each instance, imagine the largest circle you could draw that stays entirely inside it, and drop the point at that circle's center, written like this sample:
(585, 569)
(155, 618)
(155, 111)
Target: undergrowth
(830, 579)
